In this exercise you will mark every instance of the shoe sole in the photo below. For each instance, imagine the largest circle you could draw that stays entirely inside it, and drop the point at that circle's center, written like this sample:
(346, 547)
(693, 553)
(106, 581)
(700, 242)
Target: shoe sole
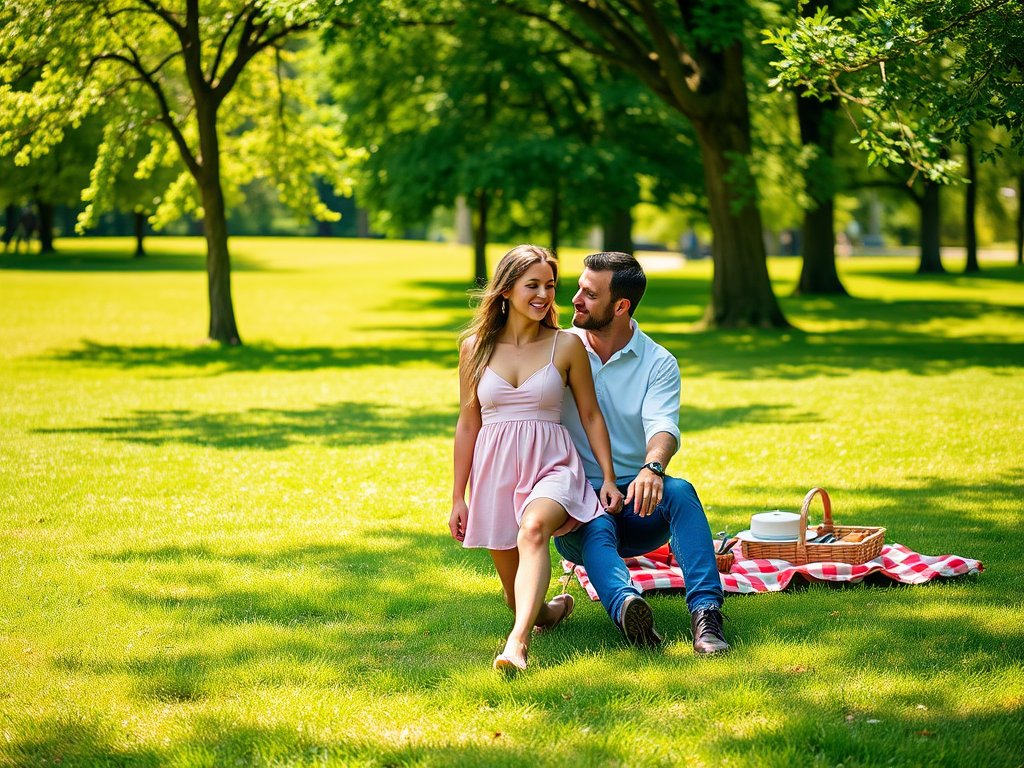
(638, 624)
(712, 651)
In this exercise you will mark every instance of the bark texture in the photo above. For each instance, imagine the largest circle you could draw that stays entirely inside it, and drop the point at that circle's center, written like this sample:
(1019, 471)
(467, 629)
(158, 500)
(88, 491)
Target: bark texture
(480, 238)
(818, 273)
(618, 231)
(970, 211)
(223, 327)
(139, 219)
(10, 223)
(703, 78)
(556, 216)
(45, 225)
(741, 292)
(931, 259)
(1020, 219)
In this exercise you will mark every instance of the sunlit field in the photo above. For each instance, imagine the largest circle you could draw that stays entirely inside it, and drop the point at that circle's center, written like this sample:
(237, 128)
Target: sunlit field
(239, 556)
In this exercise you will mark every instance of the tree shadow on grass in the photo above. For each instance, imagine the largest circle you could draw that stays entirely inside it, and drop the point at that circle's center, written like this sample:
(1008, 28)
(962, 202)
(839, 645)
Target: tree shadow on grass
(346, 424)
(396, 615)
(269, 429)
(879, 335)
(156, 260)
(795, 355)
(214, 360)
(990, 272)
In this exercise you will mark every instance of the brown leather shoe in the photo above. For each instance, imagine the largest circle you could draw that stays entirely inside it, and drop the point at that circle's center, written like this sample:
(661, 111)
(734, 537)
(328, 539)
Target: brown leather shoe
(706, 625)
(636, 620)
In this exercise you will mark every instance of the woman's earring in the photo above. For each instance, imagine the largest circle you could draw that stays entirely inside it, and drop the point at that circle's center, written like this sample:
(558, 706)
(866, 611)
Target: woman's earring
(504, 306)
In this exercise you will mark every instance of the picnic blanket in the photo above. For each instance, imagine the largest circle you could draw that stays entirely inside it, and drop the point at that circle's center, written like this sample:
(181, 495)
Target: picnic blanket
(660, 570)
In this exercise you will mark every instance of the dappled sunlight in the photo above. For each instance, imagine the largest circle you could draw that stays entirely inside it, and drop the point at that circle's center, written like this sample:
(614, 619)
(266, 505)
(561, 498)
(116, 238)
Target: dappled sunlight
(213, 360)
(240, 555)
(268, 429)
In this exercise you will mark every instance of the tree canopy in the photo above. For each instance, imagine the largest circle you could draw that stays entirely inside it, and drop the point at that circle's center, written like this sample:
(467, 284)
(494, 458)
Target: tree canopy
(496, 108)
(200, 82)
(913, 75)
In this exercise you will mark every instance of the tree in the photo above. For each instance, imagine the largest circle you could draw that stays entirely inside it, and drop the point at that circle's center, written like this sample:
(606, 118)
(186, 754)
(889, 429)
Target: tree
(914, 77)
(55, 179)
(494, 107)
(957, 62)
(971, 209)
(190, 77)
(691, 55)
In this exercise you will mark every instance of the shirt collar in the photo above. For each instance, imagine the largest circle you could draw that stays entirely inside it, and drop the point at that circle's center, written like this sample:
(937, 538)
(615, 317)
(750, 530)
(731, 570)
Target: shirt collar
(633, 346)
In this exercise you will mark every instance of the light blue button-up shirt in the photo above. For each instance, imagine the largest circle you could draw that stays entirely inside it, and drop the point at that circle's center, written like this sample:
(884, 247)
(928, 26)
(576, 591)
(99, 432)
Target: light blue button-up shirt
(638, 391)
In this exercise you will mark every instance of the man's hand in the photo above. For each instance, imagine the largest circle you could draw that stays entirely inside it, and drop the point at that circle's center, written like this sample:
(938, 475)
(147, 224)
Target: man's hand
(647, 489)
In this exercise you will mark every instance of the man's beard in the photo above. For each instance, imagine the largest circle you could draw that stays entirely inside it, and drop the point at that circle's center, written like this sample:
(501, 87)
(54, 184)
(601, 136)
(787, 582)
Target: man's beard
(595, 322)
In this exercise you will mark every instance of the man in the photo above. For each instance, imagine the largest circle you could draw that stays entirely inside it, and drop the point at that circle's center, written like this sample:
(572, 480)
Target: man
(638, 386)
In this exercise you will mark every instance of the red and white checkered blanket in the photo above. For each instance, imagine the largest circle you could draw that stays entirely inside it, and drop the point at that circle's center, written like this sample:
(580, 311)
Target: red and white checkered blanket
(653, 570)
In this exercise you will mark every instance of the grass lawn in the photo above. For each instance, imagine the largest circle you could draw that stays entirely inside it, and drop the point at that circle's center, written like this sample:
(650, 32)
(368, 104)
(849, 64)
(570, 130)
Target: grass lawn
(220, 557)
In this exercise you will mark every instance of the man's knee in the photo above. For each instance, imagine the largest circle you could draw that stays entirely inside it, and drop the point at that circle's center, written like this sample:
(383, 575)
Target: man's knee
(679, 491)
(599, 530)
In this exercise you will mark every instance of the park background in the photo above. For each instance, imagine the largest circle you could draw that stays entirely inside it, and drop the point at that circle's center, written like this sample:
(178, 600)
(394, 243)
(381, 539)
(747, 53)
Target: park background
(224, 553)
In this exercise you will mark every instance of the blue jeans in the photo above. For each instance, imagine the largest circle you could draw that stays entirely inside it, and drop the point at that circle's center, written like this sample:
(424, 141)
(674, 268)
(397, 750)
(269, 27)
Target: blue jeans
(601, 544)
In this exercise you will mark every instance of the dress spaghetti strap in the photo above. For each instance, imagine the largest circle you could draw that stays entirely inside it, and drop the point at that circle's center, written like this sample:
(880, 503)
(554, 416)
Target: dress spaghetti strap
(553, 345)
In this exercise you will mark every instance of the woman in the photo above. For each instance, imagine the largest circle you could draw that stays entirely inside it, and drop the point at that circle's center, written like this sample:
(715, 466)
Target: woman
(527, 480)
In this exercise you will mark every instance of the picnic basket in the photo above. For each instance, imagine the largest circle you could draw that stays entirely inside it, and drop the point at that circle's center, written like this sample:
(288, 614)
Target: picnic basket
(724, 561)
(800, 552)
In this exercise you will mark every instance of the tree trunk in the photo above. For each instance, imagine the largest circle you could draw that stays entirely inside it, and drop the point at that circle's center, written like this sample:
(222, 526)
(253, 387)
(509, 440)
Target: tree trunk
(45, 227)
(818, 274)
(1020, 219)
(140, 233)
(480, 238)
(741, 291)
(362, 223)
(931, 259)
(618, 232)
(10, 223)
(215, 227)
(556, 216)
(970, 211)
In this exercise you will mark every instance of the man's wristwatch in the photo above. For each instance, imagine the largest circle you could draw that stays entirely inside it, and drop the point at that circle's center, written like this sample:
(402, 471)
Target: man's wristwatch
(656, 468)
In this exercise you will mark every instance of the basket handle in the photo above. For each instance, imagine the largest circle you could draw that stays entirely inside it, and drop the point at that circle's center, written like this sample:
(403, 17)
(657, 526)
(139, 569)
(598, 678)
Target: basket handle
(826, 527)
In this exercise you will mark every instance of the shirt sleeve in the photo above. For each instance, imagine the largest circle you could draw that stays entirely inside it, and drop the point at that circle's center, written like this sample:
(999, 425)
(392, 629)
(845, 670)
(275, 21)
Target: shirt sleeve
(661, 403)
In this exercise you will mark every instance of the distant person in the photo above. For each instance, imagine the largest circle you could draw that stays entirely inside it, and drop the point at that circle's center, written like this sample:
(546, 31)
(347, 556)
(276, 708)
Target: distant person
(25, 229)
(638, 385)
(526, 480)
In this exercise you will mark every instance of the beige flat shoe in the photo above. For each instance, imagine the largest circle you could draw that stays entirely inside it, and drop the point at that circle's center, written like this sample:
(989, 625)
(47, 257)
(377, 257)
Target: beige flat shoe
(568, 603)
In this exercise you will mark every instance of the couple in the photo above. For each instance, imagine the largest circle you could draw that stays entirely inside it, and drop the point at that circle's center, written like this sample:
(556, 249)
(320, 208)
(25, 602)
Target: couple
(532, 462)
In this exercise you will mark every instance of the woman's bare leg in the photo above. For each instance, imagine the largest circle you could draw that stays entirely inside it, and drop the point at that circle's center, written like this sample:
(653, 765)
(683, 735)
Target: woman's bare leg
(506, 562)
(540, 520)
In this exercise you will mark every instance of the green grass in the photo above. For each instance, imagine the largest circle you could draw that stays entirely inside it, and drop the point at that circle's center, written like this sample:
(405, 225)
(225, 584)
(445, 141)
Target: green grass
(220, 557)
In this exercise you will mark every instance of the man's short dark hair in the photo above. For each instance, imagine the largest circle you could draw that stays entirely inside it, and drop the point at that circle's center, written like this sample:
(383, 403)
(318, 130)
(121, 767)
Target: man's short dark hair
(628, 279)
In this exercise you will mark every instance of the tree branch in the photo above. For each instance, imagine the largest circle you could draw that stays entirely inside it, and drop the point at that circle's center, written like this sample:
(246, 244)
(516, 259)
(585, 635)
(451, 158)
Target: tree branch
(224, 40)
(165, 111)
(164, 14)
(633, 57)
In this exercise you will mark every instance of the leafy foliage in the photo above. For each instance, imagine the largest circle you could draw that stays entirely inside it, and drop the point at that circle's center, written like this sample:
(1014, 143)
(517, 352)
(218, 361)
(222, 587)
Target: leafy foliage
(130, 63)
(912, 75)
(475, 99)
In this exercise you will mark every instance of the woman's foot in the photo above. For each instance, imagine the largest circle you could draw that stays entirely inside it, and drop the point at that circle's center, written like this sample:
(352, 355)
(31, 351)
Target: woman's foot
(558, 610)
(513, 658)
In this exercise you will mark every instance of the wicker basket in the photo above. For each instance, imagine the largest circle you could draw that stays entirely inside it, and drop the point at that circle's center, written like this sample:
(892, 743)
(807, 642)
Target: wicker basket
(799, 552)
(724, 562)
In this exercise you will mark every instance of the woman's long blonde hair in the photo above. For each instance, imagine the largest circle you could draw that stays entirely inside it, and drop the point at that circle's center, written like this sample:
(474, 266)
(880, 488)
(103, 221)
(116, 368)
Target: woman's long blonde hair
(492, 312)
